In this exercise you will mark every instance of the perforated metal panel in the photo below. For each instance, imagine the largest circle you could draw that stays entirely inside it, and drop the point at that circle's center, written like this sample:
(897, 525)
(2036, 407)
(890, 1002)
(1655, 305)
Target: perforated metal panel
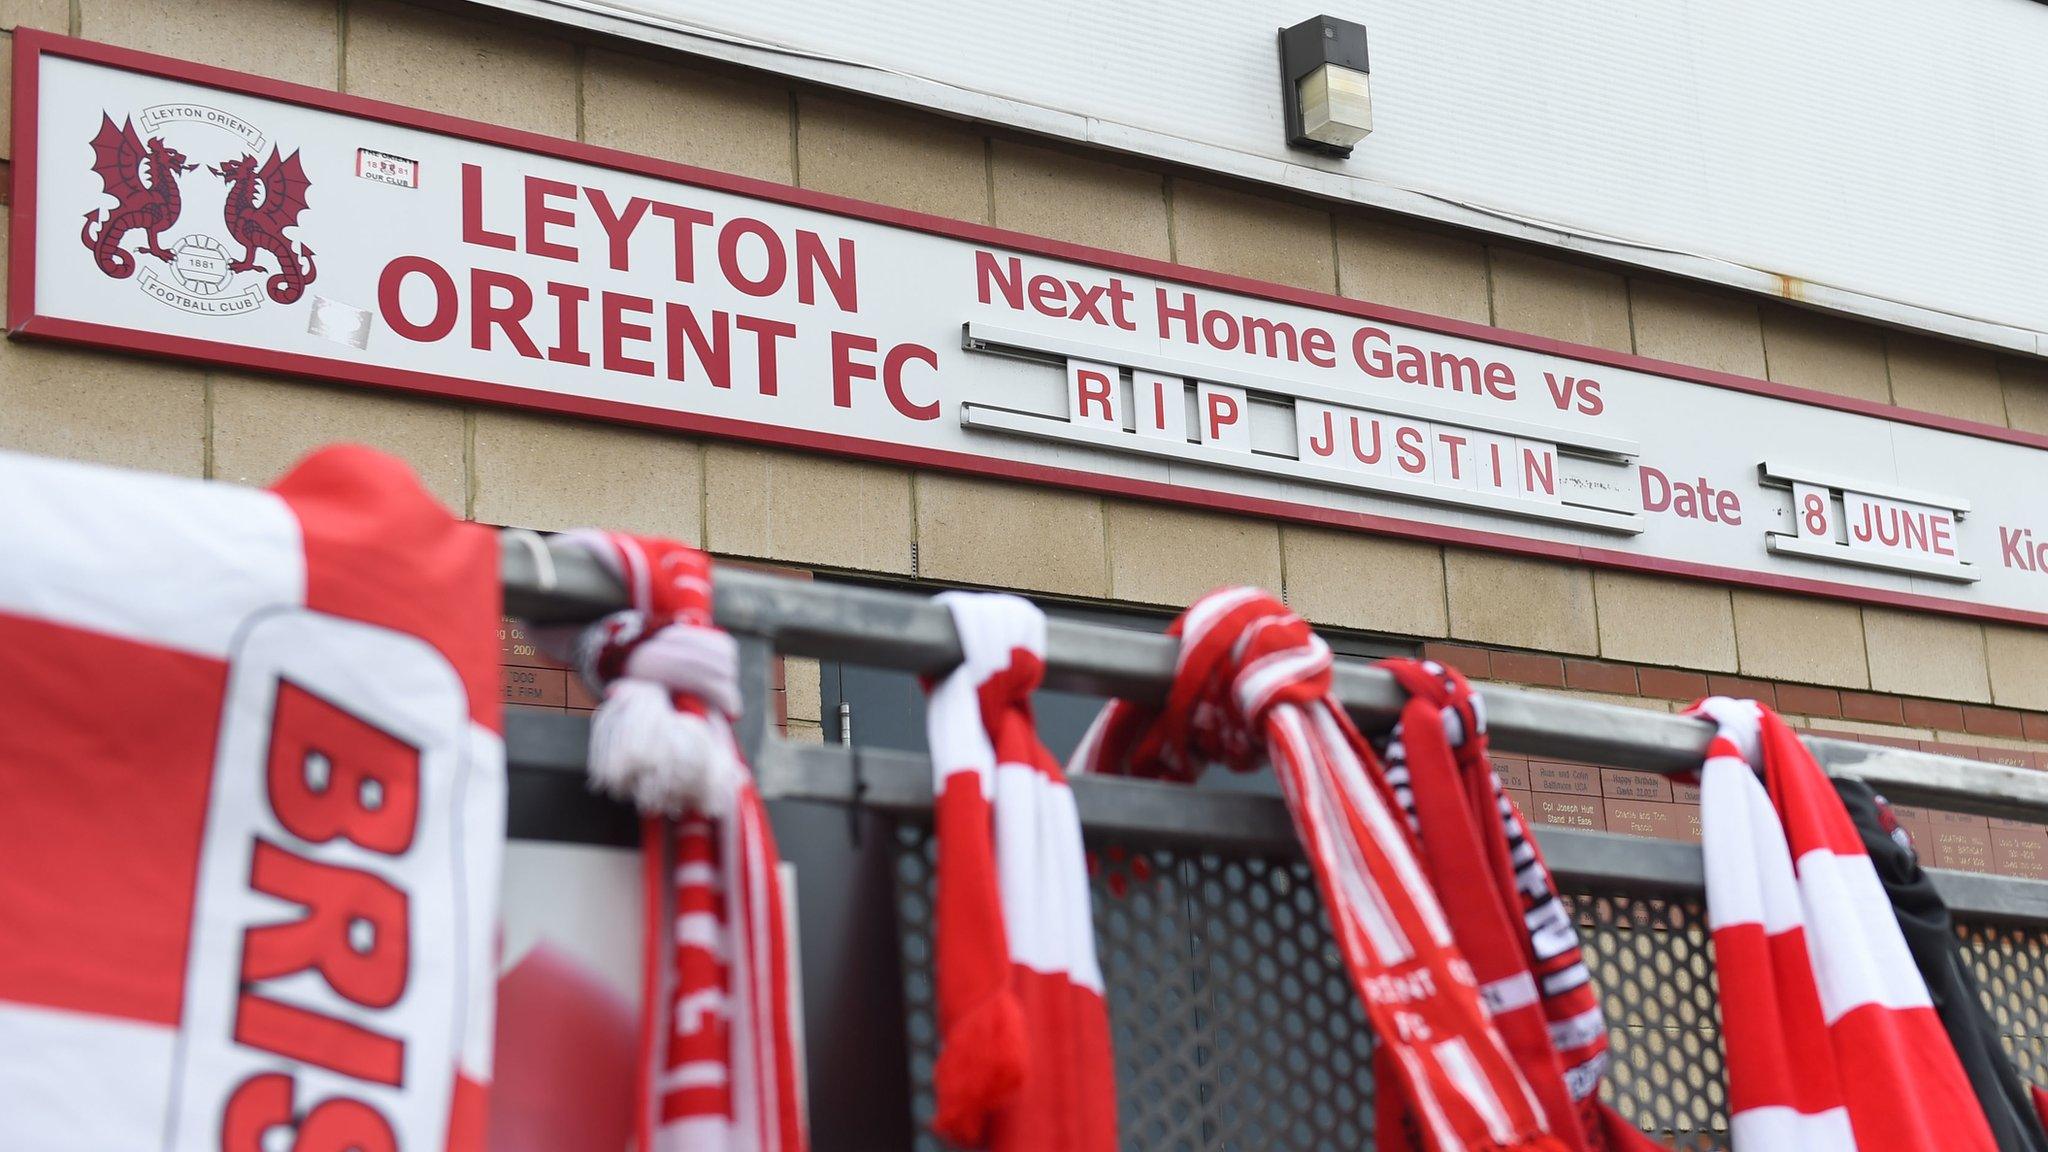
(2011, 965)
(1653, 964)
(1235, 1027)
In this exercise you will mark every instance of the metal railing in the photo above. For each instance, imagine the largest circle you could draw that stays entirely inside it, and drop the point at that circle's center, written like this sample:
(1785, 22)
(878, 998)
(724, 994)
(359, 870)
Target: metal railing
(902, 631)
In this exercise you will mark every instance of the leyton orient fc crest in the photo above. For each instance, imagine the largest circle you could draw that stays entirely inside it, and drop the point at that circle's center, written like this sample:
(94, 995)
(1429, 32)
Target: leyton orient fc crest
(230, 249)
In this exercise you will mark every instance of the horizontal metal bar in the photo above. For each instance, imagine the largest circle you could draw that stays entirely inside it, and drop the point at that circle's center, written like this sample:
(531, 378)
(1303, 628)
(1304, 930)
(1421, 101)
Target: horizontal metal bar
(907, 632)
(901, 783)
(546, 750)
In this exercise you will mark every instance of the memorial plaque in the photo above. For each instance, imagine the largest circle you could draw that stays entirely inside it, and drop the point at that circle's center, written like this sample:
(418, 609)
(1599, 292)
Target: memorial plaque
(1523, 802)
(1568, 811)
(2019, 849)
(1570, 779)
(1962, 842)
(517, 648)
(2023, 854)
(542, 687)
(1513, 772)
(1919, 824)
(1657, 819)
(1621, 784)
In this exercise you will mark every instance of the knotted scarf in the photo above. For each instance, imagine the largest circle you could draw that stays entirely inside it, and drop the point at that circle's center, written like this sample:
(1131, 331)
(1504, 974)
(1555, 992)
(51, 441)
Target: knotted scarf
(1252, 683)
(719, 1055)
(1504, 911)
(1024, 1056)
(1833, 1043)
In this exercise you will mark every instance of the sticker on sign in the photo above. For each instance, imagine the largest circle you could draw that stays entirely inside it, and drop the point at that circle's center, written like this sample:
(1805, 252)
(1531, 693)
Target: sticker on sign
(384, 168)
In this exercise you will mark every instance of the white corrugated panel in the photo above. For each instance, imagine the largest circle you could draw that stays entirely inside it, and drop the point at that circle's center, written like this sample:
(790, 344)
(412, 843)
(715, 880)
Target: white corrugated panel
(1890, 156)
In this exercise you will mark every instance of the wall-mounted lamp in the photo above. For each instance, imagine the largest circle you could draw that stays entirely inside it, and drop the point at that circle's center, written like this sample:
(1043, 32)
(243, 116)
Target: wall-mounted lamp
(1324, 74)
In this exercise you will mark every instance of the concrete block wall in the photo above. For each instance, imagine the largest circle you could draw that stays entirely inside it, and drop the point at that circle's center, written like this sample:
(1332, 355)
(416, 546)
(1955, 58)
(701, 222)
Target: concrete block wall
(817, 513)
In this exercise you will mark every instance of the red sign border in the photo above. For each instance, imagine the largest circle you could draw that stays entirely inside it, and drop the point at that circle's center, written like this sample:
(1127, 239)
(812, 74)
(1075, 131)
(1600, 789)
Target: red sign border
(22, 320)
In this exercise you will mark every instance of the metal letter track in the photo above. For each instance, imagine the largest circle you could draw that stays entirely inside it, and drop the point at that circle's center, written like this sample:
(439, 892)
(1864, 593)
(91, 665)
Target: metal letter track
(906, 632)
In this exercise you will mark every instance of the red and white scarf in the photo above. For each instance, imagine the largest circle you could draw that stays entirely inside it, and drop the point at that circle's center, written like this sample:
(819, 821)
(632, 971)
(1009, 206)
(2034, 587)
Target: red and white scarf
(1252, 683)
(719, 1061)
(1832, 1042)
(1504, 910)
(1024, 1055)
(252, 810)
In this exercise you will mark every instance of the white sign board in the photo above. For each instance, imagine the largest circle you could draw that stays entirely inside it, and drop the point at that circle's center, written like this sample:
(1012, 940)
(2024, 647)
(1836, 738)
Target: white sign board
(337, 238)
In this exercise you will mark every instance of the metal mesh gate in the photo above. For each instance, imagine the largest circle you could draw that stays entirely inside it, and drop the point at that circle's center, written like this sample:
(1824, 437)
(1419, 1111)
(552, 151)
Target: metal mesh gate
(1235, 1028)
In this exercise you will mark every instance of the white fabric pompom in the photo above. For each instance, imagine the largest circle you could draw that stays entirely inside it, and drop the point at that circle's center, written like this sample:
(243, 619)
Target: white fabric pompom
(664, 761)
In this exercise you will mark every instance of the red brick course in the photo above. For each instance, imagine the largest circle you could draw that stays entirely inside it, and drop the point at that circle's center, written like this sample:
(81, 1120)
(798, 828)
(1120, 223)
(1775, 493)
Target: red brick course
(1528, 668)
(1804, 700)
(1873, 708)
(1600, 676)
(1476, 663)
(1992, 721)
(1670, 684)
(1743, 689)
(1933, 714)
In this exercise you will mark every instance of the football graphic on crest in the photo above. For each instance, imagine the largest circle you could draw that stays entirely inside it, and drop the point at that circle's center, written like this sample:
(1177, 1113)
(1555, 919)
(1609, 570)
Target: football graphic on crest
(200, 264)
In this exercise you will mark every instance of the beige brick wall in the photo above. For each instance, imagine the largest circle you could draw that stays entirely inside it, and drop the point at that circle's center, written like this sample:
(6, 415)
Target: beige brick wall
(1654, 620)
(1919, 655)
(6, 92)
(734, 124)
(1011, 536)
(2018, 660)
(261, 428)
(1405, 267)
(1810, 350)
(1079, 200)
(2026, 393)
(49, 15)
(788, 506)
(485, 69)
(296, 40)
(551, 474)
(805, 510)
(106, 410)
(1797, 638)
(1565, 301)
(1165, 555)
(103, 409)
(923, 163)
(1949, 379)
(1243, 234)
(1351, 580)
(1498, 599)
(1704, 329)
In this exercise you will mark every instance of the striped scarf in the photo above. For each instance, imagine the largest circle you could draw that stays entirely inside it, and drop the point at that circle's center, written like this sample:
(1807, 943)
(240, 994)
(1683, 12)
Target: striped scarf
(719, 1054)
(1833, 1044)
(1024, 1056)
(252, 811)
(1504, 910)
(1253, 683)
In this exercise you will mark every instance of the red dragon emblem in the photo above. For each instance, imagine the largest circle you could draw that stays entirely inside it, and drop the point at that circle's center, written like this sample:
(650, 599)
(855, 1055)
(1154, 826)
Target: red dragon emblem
(262, 203)
(143, 180)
